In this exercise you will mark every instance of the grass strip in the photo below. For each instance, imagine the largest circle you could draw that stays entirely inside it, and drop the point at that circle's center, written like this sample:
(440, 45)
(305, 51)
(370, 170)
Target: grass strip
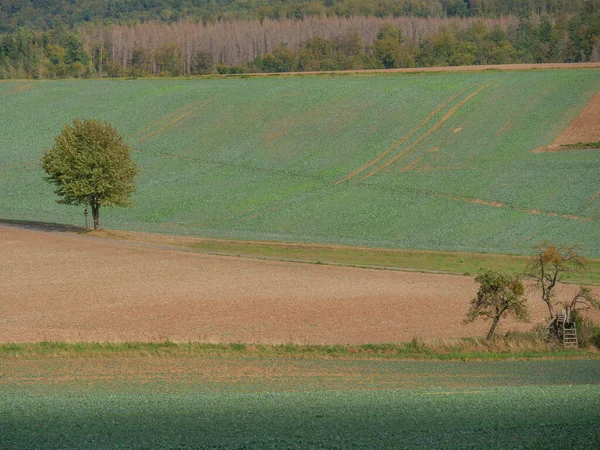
(502, 348)
(582, 146)
(406, 260)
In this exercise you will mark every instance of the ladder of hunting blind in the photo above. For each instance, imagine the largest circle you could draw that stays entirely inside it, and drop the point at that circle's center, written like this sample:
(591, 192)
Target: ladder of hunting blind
(569, 328)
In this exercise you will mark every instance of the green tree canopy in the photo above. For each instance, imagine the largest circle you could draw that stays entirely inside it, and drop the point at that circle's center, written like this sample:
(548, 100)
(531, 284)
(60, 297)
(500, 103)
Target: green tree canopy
(90, 165)
(499, 294)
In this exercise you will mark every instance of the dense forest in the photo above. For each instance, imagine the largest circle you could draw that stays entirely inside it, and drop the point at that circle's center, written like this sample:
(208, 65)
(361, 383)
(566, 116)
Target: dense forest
(84, 38)
(50, 14)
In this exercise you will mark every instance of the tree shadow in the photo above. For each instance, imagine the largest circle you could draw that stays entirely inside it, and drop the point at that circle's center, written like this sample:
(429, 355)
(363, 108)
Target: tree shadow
(43, 226)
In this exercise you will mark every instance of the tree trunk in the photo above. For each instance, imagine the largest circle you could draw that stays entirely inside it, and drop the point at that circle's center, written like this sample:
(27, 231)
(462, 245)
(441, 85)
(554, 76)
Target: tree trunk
(493, 328)
(548, 300)
(96, 215)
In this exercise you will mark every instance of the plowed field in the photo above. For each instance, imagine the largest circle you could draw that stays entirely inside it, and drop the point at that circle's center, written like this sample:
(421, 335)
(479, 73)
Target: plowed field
(68, 287)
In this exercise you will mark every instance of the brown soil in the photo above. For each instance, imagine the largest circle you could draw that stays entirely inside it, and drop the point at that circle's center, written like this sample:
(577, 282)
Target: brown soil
(585, 128)
(69, 287)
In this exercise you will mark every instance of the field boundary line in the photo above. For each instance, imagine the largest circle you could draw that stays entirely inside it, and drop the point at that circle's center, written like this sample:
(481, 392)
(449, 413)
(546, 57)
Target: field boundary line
(188, 246)
(507, 205)
(437, 125)
(404, 139)
(438, 69)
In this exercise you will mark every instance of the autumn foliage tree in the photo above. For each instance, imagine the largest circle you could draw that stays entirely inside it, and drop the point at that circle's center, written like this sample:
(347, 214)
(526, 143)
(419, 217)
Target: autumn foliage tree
(91, 165)
(499, 294)
(548, 266)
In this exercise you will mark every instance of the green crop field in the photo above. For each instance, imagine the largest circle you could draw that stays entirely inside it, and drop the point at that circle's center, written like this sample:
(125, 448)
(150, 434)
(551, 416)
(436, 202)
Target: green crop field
(436, 161)
(241, 402)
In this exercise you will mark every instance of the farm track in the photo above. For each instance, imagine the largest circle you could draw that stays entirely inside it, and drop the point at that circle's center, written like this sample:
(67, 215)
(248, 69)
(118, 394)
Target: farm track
(73, 288)
(444, 69)
(395, 158)
(437, 125)
(401, 141)
(174, 119)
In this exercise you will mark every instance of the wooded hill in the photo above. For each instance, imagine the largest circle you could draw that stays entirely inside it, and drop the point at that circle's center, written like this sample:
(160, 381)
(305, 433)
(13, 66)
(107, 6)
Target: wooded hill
(312, 43)
(50, 14)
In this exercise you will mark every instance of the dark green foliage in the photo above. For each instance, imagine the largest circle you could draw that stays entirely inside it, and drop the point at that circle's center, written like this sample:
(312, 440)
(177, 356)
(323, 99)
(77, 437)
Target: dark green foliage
(168, 60)
(320, 54)
(139, 63)
(588, 333)
(90, 165)
(74, 52)
(46, 14)
(60, 52)
(203, 63)
(595, 338)
(20, 54)
(281, 59)
(388, 51)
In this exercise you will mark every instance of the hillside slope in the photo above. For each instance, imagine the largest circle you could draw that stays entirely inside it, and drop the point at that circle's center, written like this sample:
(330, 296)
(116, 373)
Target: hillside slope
(439, 161)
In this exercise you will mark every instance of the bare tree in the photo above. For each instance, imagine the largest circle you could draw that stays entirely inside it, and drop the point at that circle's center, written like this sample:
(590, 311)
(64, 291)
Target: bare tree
(583, 301)
(549, 265)
(239, 41)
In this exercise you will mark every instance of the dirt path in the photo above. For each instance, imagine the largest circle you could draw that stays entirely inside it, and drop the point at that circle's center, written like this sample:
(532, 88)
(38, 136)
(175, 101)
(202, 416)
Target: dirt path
(63, 286)
(480, 68)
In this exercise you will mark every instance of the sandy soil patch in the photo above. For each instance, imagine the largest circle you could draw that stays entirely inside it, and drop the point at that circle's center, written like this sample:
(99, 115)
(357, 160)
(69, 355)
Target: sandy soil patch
(68, 287)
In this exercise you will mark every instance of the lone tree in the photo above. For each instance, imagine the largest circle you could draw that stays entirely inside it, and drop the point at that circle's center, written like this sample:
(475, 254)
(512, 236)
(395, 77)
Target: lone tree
(90, 165)
(548, 265)
(499, 294)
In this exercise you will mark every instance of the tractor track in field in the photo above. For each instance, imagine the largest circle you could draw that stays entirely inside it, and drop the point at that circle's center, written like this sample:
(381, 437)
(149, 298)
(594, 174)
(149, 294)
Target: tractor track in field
(401, 141)
(379, 163)
(437, 125)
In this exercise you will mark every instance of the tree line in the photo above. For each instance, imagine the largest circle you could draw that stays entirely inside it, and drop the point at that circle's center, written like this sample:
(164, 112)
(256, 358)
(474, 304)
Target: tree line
(50, 14)
(313, 44)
